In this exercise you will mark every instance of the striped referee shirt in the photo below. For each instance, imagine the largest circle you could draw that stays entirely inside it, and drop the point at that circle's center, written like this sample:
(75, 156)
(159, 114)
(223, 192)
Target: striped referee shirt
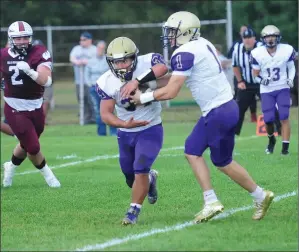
(241, 59)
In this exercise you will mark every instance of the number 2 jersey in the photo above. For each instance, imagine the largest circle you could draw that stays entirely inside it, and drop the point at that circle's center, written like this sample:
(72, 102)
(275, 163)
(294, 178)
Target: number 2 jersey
(273, 66)
(20, 91)
(109, 86)
(206, 80)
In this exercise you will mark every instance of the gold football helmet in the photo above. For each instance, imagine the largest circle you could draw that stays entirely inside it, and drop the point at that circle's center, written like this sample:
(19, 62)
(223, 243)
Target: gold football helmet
(180, 28)
(122, 48)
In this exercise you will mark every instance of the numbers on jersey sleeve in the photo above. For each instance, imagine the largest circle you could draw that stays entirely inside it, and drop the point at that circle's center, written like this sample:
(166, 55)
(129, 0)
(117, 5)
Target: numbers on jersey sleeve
(178, 59)
(219, 65)
(182, 61)
(276, 73)
(15, 79)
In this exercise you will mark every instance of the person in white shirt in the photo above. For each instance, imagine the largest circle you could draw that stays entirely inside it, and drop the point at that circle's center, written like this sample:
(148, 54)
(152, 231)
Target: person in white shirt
(140, 131)
(195, 63)
(274, 69)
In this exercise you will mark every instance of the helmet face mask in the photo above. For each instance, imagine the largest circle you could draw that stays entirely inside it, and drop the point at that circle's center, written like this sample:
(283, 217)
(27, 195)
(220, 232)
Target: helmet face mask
(123, 68)
(170, 35)
(121, 57)
(270, 36)
(21, 44)
(20, 37)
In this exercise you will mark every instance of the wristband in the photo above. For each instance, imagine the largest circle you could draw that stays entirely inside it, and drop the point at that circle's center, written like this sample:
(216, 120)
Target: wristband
(240, 81)
(32, 74)
(147, 97)
(147, 76)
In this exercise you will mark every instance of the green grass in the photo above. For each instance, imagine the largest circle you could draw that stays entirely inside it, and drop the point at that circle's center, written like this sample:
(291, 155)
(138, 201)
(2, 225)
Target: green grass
(93, 199)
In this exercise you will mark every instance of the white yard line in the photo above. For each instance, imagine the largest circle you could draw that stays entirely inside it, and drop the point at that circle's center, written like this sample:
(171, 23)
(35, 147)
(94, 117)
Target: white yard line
(96, 158)
(118, 241)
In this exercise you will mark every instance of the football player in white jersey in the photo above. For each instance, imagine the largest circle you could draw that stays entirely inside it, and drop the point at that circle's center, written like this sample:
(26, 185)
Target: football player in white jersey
(140, 134)
(274, 68)
(195, 63)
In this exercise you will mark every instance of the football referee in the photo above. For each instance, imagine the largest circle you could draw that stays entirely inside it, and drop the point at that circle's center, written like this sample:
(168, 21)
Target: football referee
(247, 88)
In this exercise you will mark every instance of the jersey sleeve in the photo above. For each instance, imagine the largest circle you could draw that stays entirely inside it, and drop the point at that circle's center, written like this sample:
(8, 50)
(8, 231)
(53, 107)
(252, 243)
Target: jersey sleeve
(103, 90)
(293, 55)
(182, 63)
(254, 60)
(157, 58)
(45, 57)
(152, 59)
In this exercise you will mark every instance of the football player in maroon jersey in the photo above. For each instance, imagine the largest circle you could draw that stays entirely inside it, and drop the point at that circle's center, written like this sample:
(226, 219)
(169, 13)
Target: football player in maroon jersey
(26, 70)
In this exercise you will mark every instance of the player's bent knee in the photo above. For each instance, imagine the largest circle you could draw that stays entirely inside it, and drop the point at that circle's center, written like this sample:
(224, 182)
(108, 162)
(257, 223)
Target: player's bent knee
(283, 116)
(269, 119)
(130, 179)
(223, 162)
(33, 149)
(191, 157)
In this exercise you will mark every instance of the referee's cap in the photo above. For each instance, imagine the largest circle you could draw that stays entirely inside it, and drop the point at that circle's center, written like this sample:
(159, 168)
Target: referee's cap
(248, 33)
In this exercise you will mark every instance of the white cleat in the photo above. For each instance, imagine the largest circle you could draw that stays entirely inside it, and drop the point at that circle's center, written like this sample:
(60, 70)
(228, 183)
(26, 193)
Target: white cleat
(50, 178)
(52, 182)
(9, 171)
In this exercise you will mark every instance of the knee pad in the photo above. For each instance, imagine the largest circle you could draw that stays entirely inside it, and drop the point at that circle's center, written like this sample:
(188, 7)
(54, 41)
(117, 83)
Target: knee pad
(130, 179)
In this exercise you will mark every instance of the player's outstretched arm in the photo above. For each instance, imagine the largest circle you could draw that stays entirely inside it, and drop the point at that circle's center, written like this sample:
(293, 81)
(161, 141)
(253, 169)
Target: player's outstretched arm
(168, 92)
(163, 81)
(107, 116)
(149, 75)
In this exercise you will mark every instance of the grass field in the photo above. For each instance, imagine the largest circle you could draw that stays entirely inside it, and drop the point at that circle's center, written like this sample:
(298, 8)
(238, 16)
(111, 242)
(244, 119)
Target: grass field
(85, 213)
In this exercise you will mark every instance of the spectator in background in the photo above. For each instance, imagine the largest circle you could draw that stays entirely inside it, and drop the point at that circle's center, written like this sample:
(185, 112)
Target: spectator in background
(48, 94)
(79, 56)
(93, 71)
(226, 65)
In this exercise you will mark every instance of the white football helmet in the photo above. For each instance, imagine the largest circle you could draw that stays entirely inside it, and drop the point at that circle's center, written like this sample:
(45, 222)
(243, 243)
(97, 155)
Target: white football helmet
(180, 28)
(16, 30)
(270, 31)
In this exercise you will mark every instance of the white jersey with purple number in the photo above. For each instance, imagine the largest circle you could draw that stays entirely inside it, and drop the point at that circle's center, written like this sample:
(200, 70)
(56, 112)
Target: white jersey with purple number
(274, 66)
(206, 80)
(109, 88)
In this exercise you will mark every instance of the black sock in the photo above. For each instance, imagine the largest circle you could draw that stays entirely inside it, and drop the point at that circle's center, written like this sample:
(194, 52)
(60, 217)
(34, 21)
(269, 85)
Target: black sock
(41, 165)
(285, 145)
(16, 161)
(270, 129)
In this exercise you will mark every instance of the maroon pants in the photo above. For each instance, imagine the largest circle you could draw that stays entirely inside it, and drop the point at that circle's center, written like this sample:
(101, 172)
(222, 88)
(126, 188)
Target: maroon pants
(27, 126)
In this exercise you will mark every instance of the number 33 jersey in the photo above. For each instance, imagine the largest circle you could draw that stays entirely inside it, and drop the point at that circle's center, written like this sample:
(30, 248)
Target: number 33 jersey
(109, 87)
(20, 91)
(206, 80)
(274, 66)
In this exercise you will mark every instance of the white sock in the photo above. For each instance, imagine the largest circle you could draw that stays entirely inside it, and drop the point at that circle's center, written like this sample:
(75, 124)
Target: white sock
(46, 171)
(13, 165)
(285, 141)
(258, 194)
(150, 178)
(135, 204)
(209, 196)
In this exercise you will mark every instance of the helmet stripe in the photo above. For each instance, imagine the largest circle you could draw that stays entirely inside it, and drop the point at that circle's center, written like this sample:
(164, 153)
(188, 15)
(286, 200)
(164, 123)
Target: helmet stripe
(21, 26)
